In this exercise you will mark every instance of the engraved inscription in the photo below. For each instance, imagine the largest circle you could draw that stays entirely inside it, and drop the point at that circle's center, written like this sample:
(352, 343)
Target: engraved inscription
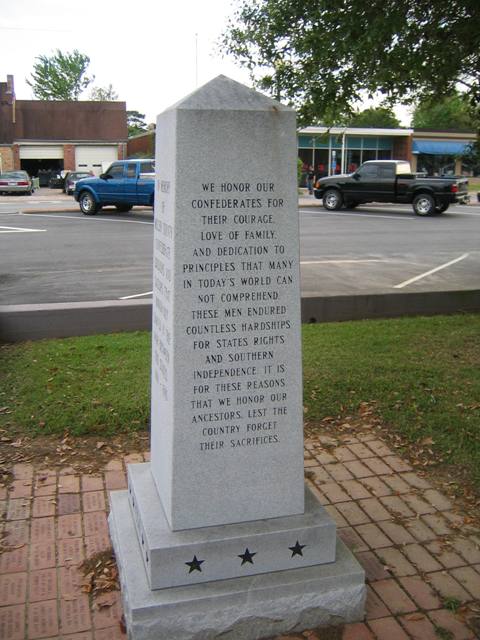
(235, 284)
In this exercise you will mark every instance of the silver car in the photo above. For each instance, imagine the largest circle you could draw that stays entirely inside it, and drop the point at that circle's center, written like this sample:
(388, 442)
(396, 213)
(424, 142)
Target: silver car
(16, 182)
(72, 178)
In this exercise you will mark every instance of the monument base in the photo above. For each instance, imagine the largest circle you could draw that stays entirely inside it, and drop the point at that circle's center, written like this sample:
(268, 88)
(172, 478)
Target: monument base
(269, 543)
(246, 608)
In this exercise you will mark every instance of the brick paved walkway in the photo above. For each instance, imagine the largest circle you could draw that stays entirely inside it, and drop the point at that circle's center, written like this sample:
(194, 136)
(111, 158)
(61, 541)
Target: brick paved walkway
(422, 561)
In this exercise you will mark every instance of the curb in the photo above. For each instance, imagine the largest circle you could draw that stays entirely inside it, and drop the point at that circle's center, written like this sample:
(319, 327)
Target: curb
(50, 210)
(39, 321)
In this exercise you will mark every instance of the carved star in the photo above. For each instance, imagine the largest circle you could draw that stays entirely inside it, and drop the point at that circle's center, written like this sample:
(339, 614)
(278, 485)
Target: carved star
(247, 556)
(297, 549)
(195, 564)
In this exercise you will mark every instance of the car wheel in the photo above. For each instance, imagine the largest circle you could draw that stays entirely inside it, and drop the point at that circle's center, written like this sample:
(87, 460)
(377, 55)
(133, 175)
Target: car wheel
(441, 208)
(87, 203)
(332, 199)
(424, 204)
(123, 208)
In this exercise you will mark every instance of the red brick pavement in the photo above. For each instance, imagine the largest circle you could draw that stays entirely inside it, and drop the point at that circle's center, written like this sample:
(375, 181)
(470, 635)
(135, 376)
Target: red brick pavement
(421, 559)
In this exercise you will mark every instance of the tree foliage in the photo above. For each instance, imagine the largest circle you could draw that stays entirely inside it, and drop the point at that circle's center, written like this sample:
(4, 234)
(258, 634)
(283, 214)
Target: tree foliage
(103, 94)
(453, 112)
(136, 123)
(374, 117)
(322, 56)
(60, 76)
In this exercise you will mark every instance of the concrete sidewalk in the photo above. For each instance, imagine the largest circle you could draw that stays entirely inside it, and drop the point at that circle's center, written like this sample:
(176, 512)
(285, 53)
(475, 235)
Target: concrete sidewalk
(420, 554)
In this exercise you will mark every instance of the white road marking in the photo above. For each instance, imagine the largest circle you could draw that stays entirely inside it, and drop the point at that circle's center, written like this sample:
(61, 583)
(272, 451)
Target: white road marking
(19, 230)
(84, 219)
(340, 261)
(428, 273)
(137, 295)
(356, 215)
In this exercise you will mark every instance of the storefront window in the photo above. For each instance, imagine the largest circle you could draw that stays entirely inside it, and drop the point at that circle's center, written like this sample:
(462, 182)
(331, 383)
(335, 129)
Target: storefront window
(434, 165)
(369, 154)
(354, 160)
(324, 152)
(384, 154)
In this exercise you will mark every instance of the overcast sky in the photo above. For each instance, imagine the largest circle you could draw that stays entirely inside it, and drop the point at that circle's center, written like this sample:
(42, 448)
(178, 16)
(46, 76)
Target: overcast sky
(153, 52)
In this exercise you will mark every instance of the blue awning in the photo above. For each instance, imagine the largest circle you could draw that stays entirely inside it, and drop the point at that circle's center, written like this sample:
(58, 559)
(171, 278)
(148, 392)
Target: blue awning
(440, 147)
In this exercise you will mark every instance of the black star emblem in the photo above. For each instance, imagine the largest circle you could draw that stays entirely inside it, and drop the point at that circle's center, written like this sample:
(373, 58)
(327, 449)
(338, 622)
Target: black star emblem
(247, 556)
(195, 564)
(297, 549)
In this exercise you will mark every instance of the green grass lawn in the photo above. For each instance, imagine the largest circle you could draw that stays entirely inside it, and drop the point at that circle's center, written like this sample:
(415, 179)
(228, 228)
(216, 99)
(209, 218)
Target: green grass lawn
(422, 374)
(94, 384)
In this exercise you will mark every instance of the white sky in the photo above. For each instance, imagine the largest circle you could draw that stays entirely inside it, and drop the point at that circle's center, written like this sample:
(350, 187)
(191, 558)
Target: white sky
(150, 51)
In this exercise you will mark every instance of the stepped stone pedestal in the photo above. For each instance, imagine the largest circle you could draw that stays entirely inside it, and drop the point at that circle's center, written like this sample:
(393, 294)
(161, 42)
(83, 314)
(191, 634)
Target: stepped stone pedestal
(217, 535)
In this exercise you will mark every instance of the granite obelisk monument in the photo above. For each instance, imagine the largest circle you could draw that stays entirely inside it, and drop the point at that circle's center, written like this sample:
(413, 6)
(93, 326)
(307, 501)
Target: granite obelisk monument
(223, 500)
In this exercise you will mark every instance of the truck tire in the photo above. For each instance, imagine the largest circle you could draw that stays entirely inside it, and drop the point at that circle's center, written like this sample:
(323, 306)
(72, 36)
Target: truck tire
(332, 199)
(123, 208)
(423, 204)
(88, 205)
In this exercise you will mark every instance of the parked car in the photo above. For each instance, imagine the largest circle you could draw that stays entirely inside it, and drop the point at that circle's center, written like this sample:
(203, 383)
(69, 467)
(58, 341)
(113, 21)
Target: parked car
(16, 182)
(125, 183)
(57, 180)
(391, 181)
(72, 178)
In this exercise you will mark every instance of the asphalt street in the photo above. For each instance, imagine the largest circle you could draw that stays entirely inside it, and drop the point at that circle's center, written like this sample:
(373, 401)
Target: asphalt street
(50, 252)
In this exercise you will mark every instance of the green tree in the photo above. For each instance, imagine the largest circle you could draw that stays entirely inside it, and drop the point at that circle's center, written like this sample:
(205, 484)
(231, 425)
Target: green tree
(60, 76)
(453, 112)
(103, 94)
(375, 117)
(322, 56)
(136, 123)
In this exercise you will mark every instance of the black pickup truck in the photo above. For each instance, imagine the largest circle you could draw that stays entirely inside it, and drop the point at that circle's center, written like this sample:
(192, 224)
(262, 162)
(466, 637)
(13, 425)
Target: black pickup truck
(391, 181)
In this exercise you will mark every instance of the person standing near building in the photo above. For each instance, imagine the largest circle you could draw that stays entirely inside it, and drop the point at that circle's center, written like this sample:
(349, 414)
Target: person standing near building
(310, 179)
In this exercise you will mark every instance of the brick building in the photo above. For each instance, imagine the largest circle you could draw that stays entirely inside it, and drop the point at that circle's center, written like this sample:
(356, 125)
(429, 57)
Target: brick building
(51, 135)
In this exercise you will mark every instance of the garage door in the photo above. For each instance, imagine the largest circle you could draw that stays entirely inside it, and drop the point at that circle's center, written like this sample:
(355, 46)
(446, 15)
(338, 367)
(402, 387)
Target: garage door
(41, 152)
(95, 158)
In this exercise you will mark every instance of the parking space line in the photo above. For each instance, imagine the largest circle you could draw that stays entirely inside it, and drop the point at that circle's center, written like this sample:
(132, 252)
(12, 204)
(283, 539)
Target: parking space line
(19, 230)
(137, 295)
(86, 219)
(341, 261)
(428, 273)
(356, 215)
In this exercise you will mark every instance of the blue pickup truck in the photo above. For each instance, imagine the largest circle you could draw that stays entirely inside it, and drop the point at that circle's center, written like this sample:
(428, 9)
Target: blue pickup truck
(126, 183)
